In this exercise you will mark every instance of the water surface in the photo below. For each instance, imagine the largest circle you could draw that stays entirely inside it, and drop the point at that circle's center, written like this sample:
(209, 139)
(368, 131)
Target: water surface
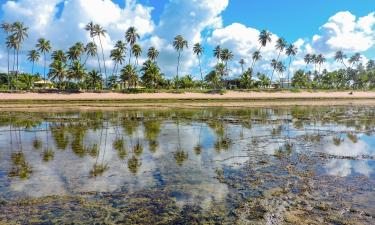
(189, 166)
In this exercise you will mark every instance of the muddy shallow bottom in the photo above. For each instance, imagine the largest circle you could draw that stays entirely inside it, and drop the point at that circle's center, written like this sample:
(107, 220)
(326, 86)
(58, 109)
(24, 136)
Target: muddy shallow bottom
(258, 165)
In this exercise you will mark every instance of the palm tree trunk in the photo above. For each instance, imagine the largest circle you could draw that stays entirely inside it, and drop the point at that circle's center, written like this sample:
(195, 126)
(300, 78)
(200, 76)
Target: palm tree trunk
(32, 69)
(8, 51)
(17, 69)
(44, 69)
(105, 69)
(200, 67)
(178, 64)
(290, 60)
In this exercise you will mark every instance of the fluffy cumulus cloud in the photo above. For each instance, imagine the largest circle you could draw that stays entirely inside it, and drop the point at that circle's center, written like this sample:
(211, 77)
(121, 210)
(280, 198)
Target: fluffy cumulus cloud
(344, 31)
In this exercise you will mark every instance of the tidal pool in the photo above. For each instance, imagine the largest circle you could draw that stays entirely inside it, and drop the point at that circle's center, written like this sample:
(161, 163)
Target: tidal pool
(276, 165)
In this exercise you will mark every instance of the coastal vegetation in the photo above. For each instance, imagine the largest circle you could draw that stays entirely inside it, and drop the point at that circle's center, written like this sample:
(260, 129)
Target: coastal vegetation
(68, 69)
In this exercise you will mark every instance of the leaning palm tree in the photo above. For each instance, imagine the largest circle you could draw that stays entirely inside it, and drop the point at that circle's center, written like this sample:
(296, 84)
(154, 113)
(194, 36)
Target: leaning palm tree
(152, 54)
(33, 56)
(291, 51)
(91, 51)
(217, 53)
(280, 46)
(131, 37)
(99, 31)
(44, 46)
(137, 51)
(242, 63)
(198, 51)
(118, 58)
(179, 43)
(280, 69)
(274, 65)
(355, 59)
(226, 56)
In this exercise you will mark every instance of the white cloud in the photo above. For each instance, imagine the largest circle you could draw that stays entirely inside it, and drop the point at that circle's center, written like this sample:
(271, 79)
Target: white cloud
(344, 31)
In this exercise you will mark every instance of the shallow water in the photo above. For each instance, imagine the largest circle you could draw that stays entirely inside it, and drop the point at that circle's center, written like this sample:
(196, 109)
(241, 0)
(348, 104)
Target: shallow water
(189, 166)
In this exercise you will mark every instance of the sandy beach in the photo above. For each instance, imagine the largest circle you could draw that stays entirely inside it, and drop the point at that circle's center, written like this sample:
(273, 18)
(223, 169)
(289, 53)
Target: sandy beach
(230, 95)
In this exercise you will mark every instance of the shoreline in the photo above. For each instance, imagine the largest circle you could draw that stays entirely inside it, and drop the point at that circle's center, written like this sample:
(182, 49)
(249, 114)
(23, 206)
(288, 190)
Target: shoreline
(230, 95)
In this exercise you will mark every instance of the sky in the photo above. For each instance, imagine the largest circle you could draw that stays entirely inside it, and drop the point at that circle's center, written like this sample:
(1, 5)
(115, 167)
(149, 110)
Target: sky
(317, 27)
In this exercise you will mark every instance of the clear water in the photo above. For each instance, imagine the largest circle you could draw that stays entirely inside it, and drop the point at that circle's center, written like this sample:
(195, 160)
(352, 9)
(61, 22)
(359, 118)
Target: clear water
(177, 166)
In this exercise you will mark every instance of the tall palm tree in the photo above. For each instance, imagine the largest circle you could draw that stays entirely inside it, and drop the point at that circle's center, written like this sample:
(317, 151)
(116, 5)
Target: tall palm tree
(340, 57)
(11, 43)
(152, 54)
(198, 51)
(264, 38)
(179, 43)
(256, 57)
(320, 59)
(291, 51)
(355, 59)
(20, 33)
(118, 58)
(100, 31)
(33, 56)
(44, 46)
(226, 56)
(137, 51)
(90, 27)
(280, 69)
(7, 28)
(308, 59)
(131, 37)
(273, 64)
(280, 46)
(57, 71)
(242, 63)
(91, 51)
(217, 53)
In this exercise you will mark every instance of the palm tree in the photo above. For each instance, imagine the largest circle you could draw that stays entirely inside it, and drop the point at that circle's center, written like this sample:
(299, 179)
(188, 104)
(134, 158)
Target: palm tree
(256, 57)
(57, 71)
(320, 59)
(91, 51)
(20, 33)
(137, 51)
(242, 63)
(280, 45)
(95, 77)
(33, 56)
(308, 59)
(340, 56)
(226, 56)
(179, 43)
(59, 55)
(118, 57)
(280, 69)
(75, 52)
(264, 38)
(76, 71)
(7, 28)
(355, 59)
(198, 51)
(44, 46)
(291, 51)
(131, 37)
(217, 53)
(11, 43)
(129, 75)
(90, 27)
(152, 54)
(274, 66)
(99, 31)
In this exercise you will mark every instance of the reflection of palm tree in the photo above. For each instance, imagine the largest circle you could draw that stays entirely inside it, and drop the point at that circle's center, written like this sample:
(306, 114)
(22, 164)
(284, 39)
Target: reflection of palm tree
(134, 164)
(180, 156)
(198, 147)
(152, 130)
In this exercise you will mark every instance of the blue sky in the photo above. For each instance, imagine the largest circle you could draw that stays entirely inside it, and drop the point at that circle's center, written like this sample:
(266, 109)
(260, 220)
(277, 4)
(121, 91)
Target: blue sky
(318, 26)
